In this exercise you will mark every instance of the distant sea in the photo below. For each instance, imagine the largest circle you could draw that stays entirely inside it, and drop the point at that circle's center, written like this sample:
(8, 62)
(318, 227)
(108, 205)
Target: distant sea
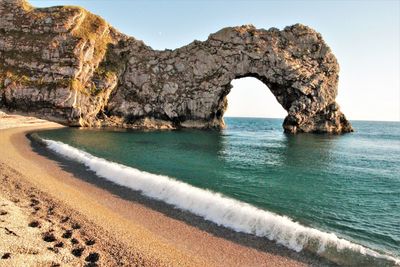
(337, 196)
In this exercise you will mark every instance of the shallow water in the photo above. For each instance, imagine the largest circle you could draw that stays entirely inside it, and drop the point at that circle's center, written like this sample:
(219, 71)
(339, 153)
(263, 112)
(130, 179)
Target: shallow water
(348, 185)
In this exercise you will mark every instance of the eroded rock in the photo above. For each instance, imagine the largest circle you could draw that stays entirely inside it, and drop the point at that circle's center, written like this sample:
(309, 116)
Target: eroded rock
(68, 65)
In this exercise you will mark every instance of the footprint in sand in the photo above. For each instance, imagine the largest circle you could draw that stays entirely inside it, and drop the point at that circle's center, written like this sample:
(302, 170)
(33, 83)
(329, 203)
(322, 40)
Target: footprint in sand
(64, 219)
(36, 209)
(90, 242)
(93, 257)
(50, 210)
(76, 226)
(59, 245)
(77, 252)
(34, 202)
(34, 224)
(67, 234)
(55, 250)
(3, 212)
(6, 256)
(49, 237)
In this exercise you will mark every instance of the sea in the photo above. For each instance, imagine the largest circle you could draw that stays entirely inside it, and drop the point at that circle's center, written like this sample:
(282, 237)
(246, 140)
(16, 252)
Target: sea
(337, 196)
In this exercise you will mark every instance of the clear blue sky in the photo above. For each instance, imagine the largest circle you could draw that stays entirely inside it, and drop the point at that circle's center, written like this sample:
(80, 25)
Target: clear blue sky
(364, 35)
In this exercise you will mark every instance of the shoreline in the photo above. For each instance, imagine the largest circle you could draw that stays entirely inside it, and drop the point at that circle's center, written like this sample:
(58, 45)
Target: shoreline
(172, 237)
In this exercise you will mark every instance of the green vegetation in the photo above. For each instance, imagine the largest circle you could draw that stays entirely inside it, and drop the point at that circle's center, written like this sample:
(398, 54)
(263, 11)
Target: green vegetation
(94, 90)
(18, 78)
(26, 78)
(91, 28)
(95, 29)
(112, 64)
(76, 84)
(102, 71)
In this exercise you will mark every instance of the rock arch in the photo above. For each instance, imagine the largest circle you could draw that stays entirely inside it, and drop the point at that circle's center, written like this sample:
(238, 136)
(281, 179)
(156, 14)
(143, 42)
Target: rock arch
(193, 81)
(96, 76)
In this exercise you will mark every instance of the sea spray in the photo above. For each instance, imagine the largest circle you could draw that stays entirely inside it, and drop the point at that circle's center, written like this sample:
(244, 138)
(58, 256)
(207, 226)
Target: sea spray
(226, 211)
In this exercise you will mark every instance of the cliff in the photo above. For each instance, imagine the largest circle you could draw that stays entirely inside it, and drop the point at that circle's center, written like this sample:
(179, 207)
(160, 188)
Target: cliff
(70, 66)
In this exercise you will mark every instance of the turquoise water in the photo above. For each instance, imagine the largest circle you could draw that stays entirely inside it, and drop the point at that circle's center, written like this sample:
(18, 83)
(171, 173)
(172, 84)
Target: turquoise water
(348, 185)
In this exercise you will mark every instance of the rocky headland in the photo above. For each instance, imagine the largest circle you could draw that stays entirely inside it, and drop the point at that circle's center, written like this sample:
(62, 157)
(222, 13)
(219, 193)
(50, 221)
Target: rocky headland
(67, 65)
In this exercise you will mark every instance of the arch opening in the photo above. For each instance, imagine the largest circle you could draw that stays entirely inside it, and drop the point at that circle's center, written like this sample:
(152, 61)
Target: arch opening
(250, 97)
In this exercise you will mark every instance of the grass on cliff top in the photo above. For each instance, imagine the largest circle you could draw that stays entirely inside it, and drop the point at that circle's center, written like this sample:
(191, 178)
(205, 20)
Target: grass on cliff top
(26, 6)
(92, 28)
(95, 29)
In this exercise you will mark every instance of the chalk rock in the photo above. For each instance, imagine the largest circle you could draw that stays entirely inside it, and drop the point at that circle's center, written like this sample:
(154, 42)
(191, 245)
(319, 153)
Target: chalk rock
(68, 65)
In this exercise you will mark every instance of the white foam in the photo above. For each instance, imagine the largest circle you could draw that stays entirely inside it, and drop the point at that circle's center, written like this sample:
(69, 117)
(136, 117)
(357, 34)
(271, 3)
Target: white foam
(215, 207)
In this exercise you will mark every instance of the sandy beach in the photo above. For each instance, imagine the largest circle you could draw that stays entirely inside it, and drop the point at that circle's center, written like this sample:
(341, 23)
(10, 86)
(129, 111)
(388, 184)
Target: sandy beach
(55, 213)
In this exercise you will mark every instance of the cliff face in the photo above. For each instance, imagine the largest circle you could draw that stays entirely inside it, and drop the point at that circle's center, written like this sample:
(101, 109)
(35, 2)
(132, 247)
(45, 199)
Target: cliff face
(49, 59)
(68, 65)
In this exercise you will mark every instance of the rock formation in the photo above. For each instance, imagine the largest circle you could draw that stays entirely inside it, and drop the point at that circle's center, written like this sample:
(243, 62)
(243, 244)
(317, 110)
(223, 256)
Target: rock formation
(70, 66)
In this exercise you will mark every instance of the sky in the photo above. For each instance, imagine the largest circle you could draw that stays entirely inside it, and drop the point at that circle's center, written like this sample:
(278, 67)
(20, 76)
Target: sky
(363, 35)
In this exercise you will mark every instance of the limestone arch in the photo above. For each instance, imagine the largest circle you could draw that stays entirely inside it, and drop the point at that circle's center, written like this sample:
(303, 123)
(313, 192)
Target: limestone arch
(111, 79)
(188, 86)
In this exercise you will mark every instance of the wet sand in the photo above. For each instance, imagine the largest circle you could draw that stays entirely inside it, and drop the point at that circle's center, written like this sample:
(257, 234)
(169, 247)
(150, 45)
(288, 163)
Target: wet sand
(62, 198)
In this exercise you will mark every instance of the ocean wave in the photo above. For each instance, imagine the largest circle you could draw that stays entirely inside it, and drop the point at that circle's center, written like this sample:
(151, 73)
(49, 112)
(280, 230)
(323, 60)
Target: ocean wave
(228, 212)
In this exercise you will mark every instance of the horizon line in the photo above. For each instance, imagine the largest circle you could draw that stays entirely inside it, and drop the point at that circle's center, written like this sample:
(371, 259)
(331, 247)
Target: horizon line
(257, 117)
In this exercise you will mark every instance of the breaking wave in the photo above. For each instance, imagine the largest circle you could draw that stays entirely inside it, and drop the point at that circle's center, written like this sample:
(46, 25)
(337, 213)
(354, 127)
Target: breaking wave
(228, 212)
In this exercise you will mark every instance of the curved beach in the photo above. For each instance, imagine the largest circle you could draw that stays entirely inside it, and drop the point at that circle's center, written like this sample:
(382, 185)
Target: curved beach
(127, 232)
